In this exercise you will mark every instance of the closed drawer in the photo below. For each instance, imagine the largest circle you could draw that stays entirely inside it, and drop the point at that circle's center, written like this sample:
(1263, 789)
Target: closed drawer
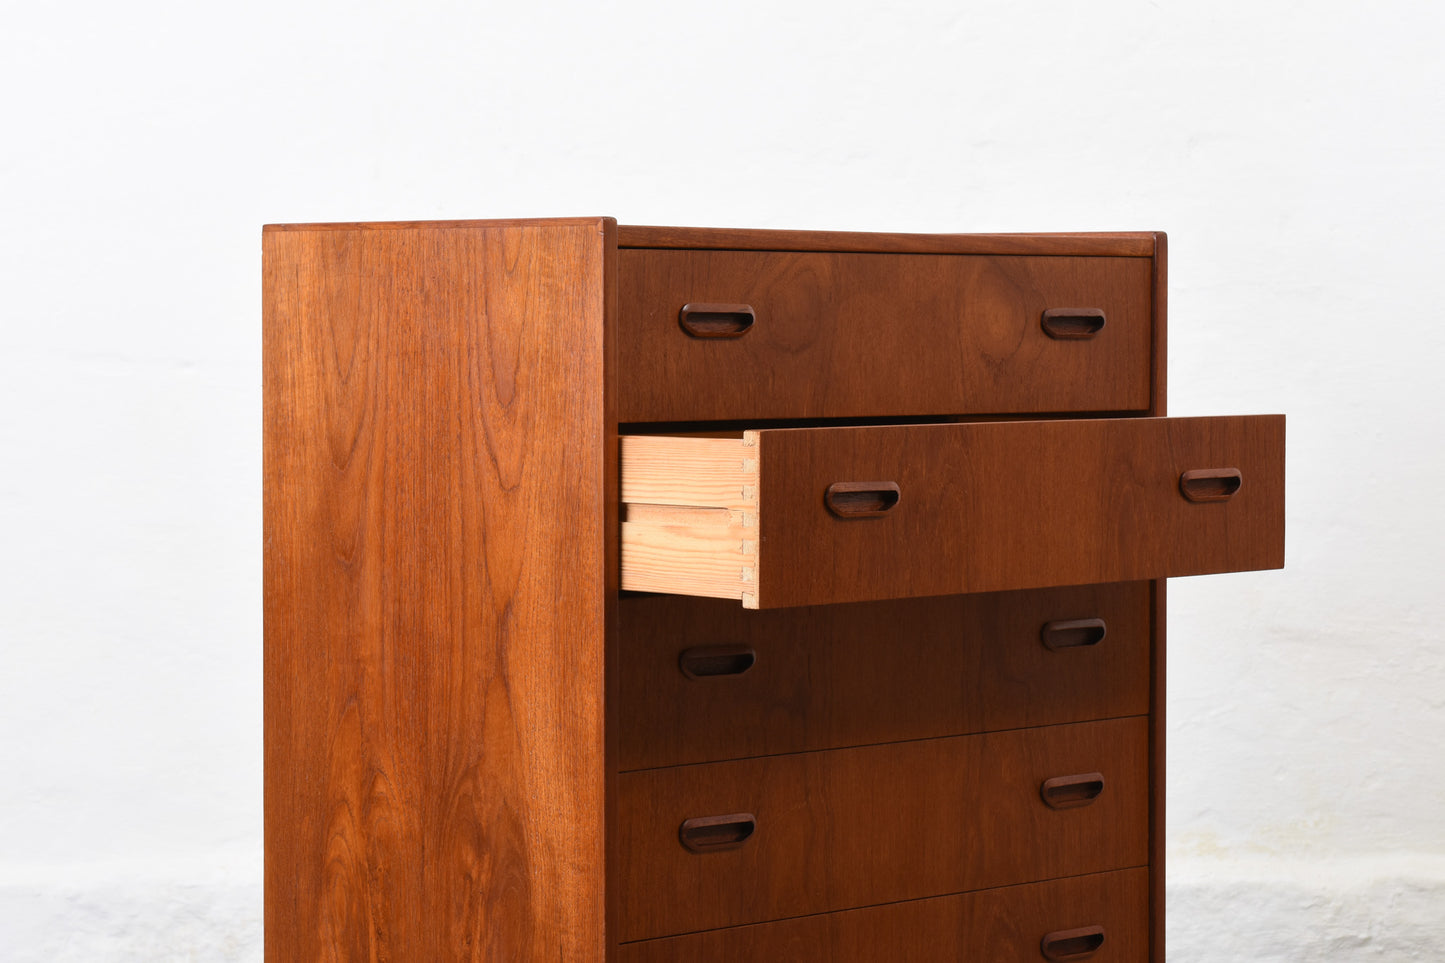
(813, 516)
(879, 335)
(1100, 918)
(816, 832)
(704, 679)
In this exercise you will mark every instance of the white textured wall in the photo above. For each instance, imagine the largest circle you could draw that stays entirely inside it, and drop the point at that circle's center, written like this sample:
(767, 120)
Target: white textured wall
(1292, 150)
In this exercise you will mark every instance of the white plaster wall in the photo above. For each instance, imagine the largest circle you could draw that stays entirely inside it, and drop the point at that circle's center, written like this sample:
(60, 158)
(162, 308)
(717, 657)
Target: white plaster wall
(1292, 150)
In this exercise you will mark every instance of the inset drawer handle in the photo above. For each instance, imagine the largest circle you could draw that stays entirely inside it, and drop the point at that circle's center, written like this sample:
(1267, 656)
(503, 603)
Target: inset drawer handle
(1210, 484)
(708, 661)
(1068, 792)
(1079, 944)
(1073, 633)
(1073, 324)
(716, 320)
(861, 499)
(713, 834)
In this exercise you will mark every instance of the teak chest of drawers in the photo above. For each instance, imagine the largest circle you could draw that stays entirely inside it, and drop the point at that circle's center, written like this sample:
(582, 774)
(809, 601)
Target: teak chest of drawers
(651, 594)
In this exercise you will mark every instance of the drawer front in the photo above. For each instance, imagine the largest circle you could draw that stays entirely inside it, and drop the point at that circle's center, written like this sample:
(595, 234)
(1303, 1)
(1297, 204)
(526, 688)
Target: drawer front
(704, 679)
(824, 831)
(1101, 918)
(855, 514)
(879, 335)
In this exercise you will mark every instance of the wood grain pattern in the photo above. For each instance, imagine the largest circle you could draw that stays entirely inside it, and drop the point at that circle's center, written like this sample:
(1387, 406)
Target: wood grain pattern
(848, 675)
(706, 552)
(1010, 505)
(691, 516)
(436, 499)
(988, 925)
(852, 827)
(875, 335)
(1098, 244)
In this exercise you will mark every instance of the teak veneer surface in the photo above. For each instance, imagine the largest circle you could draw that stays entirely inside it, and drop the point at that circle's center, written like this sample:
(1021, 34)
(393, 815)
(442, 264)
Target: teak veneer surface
(989, 926)
(869, 335)
(436, 504)
(847, 675)
(853, 827)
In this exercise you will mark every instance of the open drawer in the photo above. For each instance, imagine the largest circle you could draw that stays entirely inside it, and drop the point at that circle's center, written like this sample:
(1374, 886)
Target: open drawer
(814, 516)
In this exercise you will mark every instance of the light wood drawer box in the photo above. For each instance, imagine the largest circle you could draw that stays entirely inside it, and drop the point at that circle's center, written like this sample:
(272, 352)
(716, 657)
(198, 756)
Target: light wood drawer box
(704, 679)
(814, 516)
(1106, 912)
(848, 335)
(853, 827)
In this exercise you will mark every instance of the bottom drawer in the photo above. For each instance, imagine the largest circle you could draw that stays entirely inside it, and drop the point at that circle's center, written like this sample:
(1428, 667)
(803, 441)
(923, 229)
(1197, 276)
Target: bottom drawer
(1101, 918)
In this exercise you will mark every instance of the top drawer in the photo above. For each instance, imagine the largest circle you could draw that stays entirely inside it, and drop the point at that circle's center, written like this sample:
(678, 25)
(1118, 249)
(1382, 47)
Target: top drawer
(879, 335)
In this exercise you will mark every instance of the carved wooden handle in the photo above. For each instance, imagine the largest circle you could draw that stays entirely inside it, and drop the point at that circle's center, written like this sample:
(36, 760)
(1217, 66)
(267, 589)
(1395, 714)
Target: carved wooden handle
(861, 499)
(1210, 484)
(712, 834)
(1073, 324)
(706, 662)
(1073, 633)
(1079, 944)
(1068, 792)
(716, 320)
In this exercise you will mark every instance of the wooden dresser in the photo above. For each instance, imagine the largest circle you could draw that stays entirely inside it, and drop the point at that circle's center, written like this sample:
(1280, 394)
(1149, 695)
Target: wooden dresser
(651, 594)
